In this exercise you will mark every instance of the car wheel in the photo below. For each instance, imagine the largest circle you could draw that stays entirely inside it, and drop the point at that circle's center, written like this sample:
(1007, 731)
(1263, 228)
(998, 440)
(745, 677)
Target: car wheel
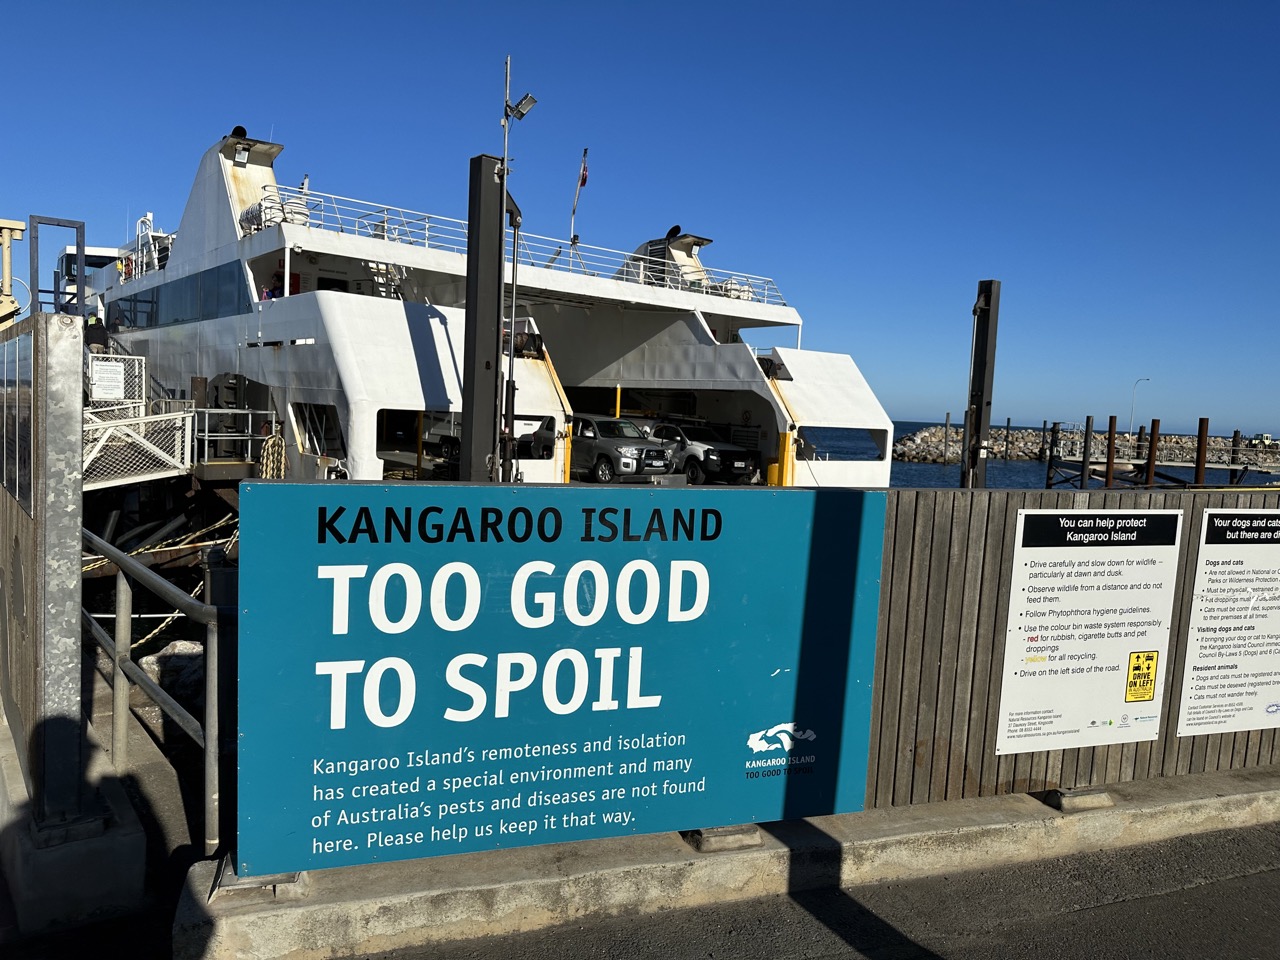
(693, 472)
(604, 470)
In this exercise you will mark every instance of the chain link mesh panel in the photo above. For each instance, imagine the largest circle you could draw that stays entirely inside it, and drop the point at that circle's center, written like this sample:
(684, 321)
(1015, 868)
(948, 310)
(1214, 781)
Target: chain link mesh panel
(138, 448)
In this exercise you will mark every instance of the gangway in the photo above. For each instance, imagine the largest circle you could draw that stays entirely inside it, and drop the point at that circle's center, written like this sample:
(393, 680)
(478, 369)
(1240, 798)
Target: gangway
(125, 441)
(129, 438)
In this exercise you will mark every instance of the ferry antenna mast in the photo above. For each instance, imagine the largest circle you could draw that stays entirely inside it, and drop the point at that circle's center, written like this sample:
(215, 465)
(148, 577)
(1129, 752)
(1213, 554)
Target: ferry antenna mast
(573, 236)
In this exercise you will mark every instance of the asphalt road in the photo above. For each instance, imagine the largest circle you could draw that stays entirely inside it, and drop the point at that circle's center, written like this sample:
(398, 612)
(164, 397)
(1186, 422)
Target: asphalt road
(1209, 896)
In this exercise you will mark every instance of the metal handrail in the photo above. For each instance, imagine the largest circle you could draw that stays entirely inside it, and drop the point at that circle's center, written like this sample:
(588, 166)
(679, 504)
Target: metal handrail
(347, 215)
(215, 425)
(125, 670)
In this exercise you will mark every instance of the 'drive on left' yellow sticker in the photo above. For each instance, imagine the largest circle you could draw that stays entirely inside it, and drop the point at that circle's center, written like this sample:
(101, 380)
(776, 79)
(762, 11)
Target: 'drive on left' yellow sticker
(1142, 676)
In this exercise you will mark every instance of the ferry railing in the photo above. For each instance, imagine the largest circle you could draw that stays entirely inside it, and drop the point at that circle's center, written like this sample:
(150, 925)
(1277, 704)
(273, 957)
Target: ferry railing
(126, 449)
(549, 253)
(347, 215)
(232, 434)
(126, 673)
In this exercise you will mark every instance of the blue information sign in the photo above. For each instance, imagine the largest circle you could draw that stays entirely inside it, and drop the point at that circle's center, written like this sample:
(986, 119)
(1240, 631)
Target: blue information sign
(434, 669)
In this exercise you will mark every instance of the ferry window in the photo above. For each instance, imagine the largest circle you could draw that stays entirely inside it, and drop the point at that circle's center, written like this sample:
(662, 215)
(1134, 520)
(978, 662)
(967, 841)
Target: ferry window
(332, 283)
(842, 443)
(219, 292)
(207, 294)
(177, 301)
(224, 289)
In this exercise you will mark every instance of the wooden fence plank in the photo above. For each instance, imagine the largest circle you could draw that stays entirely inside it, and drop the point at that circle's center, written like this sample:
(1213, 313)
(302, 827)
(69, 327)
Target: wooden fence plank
(949, 630)
(899, 577)
(1164, 750)
(932, 676)
(986, 682)
(962, 773)
(880, 751)
(913, 643)
(1002, 769)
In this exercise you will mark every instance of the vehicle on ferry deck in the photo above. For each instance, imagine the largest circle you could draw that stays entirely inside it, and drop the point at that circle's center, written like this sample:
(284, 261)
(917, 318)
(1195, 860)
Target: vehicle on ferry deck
(703, 456)
(606, 449)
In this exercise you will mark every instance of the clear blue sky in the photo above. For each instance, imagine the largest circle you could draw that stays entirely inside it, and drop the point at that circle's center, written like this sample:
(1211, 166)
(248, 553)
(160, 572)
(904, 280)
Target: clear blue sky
(1113, 164)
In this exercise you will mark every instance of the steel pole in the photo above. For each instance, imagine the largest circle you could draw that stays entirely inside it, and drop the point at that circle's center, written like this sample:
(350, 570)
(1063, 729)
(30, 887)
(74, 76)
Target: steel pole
(1132, 401)
(498, 467)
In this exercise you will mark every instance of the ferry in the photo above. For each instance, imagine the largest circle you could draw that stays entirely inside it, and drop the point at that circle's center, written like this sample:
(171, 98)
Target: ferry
(341, 322)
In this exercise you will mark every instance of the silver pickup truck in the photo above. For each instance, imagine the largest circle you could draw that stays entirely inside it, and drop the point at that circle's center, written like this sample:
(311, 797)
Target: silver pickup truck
(699, 453)
(606, 448)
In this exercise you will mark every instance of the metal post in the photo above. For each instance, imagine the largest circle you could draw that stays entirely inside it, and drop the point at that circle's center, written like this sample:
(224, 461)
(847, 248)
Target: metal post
(212, 748)
(50, 548)
(1053, 451)
(1086, 454)
(1008, 435)
(506, 425)
(509, 404)
(1202, 450)
(482, 342)
(1111, 453)
(10, 230)
(1151, 453)
(1134, 399)
(119, 682)
(986, 313)
(417, 474)
(1235, 476)
(946, 439)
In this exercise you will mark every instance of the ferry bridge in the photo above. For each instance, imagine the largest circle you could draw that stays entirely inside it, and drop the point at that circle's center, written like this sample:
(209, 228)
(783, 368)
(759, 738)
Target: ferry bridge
(100, 801)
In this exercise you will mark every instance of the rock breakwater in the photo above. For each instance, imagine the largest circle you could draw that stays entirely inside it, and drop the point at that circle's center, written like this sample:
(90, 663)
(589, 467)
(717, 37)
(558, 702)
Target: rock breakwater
(937, 444)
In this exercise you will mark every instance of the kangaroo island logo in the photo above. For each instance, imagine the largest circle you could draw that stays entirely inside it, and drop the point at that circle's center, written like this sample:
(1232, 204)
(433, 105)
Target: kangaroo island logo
(782, 736)
(778, 744)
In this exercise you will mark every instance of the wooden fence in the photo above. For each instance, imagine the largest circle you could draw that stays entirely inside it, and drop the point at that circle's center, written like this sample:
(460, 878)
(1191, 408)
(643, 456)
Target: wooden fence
(944, 604)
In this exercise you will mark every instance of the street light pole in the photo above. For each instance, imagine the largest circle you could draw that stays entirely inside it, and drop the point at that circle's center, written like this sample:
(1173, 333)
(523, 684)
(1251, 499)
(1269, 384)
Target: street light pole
(1132, 400)
(507, 401)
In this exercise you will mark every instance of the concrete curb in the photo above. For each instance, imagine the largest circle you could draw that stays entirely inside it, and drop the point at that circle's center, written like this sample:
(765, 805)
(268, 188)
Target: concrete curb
(360, 910)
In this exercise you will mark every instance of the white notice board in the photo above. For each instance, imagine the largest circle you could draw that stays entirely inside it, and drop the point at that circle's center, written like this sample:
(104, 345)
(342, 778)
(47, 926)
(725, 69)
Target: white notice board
(1232, 677)
(106, 380)
(1090, 607)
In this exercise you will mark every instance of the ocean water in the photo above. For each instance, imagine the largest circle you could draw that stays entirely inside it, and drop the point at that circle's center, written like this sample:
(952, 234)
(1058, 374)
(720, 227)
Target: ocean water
(1001, 474)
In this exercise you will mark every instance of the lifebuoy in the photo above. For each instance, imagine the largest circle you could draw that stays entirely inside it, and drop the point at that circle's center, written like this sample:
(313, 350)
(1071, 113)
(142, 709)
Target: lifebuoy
(128, 268)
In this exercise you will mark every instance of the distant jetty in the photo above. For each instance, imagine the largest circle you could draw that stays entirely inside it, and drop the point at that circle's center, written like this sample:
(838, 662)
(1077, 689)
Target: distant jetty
(937, 444)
